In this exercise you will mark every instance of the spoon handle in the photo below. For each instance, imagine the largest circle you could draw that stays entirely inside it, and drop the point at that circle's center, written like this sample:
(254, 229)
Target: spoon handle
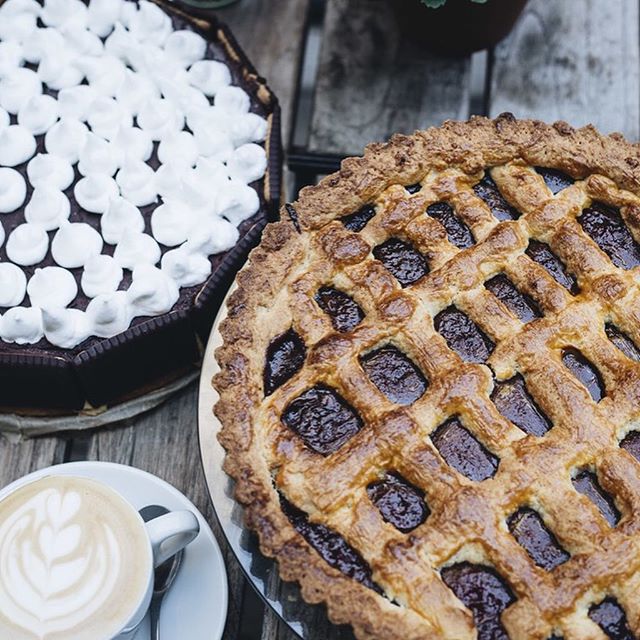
(154, 617)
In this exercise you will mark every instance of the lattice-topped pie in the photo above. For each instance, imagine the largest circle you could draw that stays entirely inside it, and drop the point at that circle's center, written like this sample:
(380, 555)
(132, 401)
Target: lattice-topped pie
(430, 386)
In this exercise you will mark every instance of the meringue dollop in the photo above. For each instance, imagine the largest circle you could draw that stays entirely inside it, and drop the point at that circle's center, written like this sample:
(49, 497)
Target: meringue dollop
(135, 249)
(102, 274)
(74, 243)
(52, 287)
(94, 192)
(22, 325)
(13, 190)
(48, 208)
(121, 217)
(13, 285)
(47, 169)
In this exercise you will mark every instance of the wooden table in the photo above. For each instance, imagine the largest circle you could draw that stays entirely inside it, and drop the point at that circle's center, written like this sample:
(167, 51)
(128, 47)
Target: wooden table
(362, 81)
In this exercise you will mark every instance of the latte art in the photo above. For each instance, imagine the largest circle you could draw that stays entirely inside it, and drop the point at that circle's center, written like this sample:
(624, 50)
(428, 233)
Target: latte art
(73, 561)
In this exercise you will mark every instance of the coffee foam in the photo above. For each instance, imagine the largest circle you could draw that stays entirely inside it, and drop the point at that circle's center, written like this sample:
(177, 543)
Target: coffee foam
(74, 561)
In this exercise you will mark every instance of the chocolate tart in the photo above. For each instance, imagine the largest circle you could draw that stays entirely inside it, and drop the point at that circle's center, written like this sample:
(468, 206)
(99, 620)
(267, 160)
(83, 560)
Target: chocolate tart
(42, 379)
(430, 386)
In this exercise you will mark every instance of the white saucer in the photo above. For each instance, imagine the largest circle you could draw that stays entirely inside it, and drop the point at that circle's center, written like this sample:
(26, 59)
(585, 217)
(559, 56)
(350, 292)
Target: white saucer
(196, 606)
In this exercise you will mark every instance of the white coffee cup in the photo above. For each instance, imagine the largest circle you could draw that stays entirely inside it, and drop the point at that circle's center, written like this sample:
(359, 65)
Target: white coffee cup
(77, 560)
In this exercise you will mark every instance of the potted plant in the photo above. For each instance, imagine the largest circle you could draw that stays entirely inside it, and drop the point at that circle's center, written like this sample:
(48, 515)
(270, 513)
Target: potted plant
(458, 26)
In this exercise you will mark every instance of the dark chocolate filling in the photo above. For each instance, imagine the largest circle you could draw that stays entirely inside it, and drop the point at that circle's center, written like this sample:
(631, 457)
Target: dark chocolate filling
(457, 231)
(554, 179)
(522, 305)
(611, 618)
(463, 335)
(489, 192)
(584, 371)
(484, 593)
(622, 341)
(517, 406)
(358, 221)
(399, 502)
(542, 254)
(631, 443)
(331, 546)
(285, 357)
(403, 261)
(394, 374)
(607, 229)
(343, 310)
(413, 188)
(462, 451)
(587, 484)
(529, 530)
(322, 418)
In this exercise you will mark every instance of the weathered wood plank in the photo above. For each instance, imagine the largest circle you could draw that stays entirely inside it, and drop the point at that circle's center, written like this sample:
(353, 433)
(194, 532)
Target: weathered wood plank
(165, 443)
(271, 33)
(575, 61)
(373, 82)
(18, 459)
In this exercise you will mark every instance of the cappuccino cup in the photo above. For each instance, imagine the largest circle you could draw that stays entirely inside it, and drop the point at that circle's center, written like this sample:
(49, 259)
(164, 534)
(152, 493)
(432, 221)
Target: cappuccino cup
(77, 560)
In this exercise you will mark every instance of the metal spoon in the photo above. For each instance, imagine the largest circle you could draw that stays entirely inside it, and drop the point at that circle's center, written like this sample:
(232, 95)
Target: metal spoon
(164, 575)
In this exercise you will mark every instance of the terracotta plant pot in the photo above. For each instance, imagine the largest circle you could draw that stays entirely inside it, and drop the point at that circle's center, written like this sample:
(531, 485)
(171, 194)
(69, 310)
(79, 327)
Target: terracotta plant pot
(461, 26)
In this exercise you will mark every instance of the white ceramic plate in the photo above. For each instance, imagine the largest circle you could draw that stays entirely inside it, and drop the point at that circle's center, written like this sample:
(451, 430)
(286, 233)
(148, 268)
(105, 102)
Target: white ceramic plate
(196, 606)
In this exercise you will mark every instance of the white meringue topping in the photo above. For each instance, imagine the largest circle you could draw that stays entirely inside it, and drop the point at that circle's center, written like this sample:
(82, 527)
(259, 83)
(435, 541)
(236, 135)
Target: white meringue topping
(135, 90)
(213, 143)
(247, 163)
(58, 69)
(17, 27)
(121, 43)
(99, 156)
(22, 325)
(39, 114)
(93, 192)
(107, 116)
(75, 102)
(47, 169)
(159, 117)
(104, 73)
(178, 148)
(186, 46)
(13, 285)
(135, 249)
(213, 237)
(133, 144)
(58, 13)
(182, 95)
(42, 42)
(52, 287)
(102, 16)
(249, 127)
(2, 233)
(102, 274)
(27, 244)
(209, 76)
(152, 291)
(169, 179)
(233, 100)
(120, 217)
(185, 268)
(83, 42)
(109, 314)
(13, 190)
(13, 7)
(171, 223)
(150, 24)
(74, 243)
(11, 57)
(5, 119)
(66, 138)
(65, 328)
(237, 202)
(17, 145)
(48, 208)
(137, 183)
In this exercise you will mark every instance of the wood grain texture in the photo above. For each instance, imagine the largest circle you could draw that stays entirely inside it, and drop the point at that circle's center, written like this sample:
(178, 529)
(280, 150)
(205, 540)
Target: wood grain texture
(165, 442)
(576, 61)
(373, 82)
(18, 459)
